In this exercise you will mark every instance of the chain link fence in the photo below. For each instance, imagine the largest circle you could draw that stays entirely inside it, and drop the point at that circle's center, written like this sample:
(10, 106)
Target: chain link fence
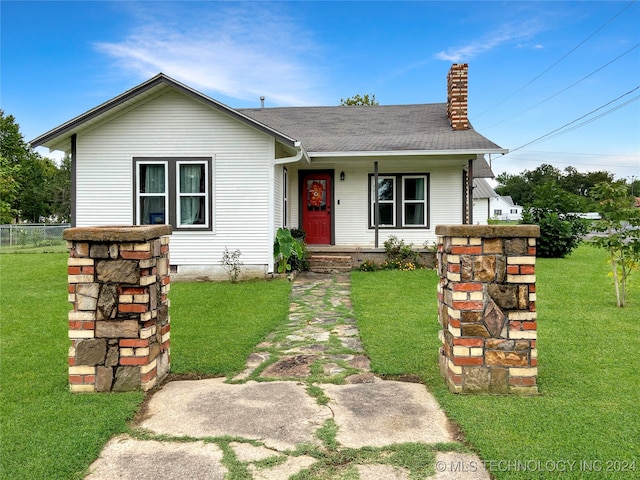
(25, 236)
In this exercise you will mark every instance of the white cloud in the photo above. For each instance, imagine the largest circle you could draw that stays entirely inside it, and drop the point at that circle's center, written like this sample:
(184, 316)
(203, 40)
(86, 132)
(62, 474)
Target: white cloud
(506, 35)
(236, 51)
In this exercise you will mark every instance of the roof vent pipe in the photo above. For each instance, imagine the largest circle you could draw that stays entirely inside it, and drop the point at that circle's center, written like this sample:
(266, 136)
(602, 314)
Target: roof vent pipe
(262, 102)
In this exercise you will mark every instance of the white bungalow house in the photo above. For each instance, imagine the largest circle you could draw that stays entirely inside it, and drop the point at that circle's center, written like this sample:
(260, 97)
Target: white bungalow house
(488, 205)
(482, 195)
(503, 208)
(163, 153)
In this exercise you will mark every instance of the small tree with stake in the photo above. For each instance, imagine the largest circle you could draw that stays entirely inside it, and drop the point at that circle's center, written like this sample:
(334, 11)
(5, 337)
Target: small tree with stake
(620, 223)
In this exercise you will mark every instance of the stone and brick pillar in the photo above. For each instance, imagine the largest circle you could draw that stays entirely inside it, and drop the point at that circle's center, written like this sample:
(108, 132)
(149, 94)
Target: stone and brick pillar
(119, 325)
(487, 308)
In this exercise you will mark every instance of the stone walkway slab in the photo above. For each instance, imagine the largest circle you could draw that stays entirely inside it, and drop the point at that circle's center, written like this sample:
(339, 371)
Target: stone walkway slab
(385, 412)
(279, 414)
(126, 458)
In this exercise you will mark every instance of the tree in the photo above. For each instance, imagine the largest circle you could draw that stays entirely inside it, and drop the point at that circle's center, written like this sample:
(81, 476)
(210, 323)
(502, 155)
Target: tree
(32, 187)
(526, 188)
(60, 192)
(357, 100)
(620, 223)
(516, 187)
(521, 187)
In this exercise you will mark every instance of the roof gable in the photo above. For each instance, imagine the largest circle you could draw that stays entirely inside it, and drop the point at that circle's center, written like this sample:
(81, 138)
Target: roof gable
(60, 135)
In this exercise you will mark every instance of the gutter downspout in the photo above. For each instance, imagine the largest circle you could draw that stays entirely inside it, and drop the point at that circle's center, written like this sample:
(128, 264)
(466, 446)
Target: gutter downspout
(301, 153)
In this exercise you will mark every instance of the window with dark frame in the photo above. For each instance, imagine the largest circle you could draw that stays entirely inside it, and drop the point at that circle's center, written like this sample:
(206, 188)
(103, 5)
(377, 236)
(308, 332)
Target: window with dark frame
(173, 191)
(402, 200)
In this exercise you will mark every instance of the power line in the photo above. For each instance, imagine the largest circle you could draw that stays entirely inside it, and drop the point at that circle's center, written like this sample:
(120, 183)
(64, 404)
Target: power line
(557, 61)
(566, 88)
(599, 116)
(582, 153)
(583, 116)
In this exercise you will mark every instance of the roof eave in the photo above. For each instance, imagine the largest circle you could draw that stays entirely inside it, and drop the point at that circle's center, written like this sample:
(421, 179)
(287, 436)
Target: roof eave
(398, 153)
(53, 137)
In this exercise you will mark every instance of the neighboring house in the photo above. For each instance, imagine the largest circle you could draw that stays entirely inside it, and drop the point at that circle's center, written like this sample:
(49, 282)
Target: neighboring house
(482, 195)
(222, 177)
(503, 208)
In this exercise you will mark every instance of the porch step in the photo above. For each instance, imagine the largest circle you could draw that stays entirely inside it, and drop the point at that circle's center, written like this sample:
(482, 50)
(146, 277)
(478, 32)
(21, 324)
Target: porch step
(329, 263)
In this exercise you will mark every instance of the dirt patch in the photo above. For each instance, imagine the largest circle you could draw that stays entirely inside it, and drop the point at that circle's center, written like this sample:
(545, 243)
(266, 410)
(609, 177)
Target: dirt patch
(298, 366)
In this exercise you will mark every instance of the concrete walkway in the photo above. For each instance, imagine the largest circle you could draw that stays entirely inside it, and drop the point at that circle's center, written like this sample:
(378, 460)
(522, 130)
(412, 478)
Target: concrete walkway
(306, 405)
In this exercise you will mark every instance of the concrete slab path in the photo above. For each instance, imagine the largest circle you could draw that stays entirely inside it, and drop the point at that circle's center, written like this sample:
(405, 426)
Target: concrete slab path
(306, 405)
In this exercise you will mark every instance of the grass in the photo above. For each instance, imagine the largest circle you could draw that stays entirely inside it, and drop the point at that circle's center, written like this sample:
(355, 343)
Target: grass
(216, 325)
(587, 410)
(588, 373)
(50, 247)
(47, 432)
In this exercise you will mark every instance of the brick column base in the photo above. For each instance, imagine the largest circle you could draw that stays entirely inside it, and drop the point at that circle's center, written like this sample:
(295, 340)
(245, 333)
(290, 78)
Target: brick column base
(487, 308)
(119, 326)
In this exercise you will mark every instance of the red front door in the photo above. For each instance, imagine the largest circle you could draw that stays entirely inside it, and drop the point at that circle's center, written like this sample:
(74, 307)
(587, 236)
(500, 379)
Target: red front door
(316, 207)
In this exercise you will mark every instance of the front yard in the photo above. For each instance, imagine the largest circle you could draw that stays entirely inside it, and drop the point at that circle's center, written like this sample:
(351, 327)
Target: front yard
(587, 410)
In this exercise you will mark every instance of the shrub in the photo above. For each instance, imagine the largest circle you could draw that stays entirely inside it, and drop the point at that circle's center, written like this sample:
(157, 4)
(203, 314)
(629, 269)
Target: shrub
(285, 248)
(368, 266)
(301, 263)
(399, 255)
(232, 263)
(560, 233)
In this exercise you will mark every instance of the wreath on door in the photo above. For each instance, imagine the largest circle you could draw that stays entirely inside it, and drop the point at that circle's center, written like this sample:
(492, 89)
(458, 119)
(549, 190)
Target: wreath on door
(315, 194)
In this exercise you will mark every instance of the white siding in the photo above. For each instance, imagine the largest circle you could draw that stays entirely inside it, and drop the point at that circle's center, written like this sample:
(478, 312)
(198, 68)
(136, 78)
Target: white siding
(278, 220)
(351, 215)
(174, 125)
(480, 211)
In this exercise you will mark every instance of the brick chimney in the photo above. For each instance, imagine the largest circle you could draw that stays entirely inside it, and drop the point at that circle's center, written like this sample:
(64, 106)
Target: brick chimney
(457, 94)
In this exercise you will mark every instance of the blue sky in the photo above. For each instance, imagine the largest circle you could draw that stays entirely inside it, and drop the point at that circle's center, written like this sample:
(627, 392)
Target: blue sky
(534, 67)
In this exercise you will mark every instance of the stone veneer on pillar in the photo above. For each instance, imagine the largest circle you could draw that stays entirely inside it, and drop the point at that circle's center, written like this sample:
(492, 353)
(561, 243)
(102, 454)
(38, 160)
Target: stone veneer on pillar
(119, 326)
(487, 308)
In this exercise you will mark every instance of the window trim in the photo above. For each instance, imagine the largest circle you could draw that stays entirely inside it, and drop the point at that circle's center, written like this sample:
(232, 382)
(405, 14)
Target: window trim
(414, 202)
(172, 185)
(138, 195)
(399, 201)
(179, 196)
(383, 202)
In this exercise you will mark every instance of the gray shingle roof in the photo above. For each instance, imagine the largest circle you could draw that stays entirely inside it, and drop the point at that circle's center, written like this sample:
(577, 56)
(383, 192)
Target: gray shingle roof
(380, 128)
(482, 189)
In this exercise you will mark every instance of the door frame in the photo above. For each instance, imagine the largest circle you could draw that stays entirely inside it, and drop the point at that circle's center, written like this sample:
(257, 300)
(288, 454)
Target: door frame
(301, 198)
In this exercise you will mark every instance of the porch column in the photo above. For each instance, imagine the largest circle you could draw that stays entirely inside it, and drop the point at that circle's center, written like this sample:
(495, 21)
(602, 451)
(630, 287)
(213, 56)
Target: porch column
(119, 326)
(487, 308)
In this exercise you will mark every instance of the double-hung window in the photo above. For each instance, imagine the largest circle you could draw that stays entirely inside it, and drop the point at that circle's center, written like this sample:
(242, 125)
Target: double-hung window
(173, 191)
(402, 201)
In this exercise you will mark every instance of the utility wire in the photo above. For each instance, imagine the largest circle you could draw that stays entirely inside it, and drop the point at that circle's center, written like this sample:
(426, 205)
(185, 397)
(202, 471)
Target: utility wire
(583, 116)
(618, 107)
(557, 61)
(566, 88)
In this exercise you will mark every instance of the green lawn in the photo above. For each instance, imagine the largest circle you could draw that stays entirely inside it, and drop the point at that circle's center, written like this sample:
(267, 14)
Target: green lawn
(588, 354)
(47, 432)
(588, 367)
